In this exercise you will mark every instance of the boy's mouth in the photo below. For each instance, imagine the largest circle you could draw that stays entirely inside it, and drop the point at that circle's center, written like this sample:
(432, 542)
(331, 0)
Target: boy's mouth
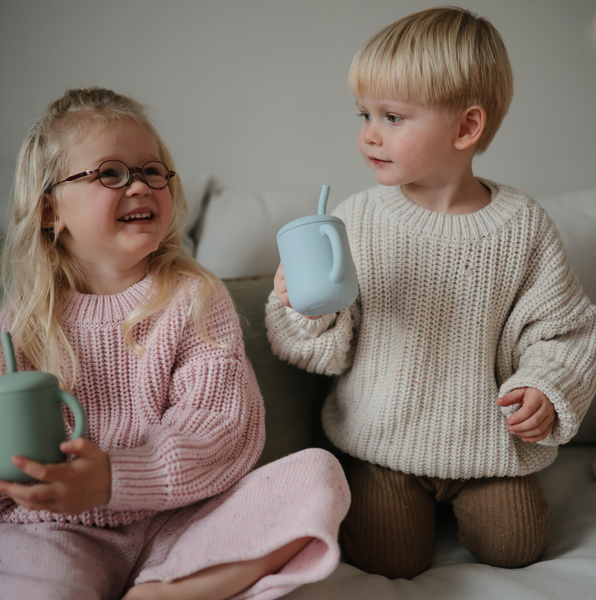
(141, 216)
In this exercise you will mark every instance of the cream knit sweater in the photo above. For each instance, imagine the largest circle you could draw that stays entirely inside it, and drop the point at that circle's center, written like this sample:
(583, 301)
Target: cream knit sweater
(453, 312)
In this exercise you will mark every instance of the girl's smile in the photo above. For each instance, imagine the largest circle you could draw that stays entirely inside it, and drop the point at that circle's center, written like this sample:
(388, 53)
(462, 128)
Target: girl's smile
(138, 216)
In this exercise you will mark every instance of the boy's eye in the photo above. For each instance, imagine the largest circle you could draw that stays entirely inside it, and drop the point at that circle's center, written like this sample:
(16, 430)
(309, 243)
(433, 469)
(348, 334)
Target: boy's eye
(365, 115)
(394, 118)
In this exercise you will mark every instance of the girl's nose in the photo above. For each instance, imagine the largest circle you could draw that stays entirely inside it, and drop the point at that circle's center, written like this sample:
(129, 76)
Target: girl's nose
(137, 186)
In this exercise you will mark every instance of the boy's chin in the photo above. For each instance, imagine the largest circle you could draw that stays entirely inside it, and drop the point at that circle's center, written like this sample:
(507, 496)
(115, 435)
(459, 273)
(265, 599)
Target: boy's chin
(388, 181)
(386, 178)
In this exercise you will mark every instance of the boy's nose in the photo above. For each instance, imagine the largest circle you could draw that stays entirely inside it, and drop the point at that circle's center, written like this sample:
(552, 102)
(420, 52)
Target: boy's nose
(372, 135)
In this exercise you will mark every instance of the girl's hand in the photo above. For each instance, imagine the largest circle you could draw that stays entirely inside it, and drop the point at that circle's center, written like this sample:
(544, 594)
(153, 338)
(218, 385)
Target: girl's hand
(68, 488)
(536, 417)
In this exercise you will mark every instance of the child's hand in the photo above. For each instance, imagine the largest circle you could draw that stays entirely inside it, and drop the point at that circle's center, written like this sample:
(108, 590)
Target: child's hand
(279, 286)
(69, 488)
(281, 291)
(534, 420)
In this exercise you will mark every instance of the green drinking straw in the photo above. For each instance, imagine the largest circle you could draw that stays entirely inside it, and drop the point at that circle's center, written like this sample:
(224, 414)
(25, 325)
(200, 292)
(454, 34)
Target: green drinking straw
(11, 363)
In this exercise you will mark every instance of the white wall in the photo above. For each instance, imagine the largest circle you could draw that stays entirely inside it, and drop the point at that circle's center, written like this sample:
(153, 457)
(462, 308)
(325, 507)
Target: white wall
(254, 91)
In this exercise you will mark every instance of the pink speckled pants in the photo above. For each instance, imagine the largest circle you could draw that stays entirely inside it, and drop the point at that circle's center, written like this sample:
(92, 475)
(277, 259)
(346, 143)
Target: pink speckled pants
(301, 495)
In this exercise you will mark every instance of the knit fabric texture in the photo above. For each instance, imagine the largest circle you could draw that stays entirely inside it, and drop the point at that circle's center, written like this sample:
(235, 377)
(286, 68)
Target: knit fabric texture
(182, 422)
(453, 312)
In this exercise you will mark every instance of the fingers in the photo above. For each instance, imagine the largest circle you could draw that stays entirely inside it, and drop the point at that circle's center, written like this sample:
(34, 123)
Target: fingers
(38, 496)
(534, 429)
(69, 487)
(529, 406)
(513, 397)
(32, 497)
(279, 286)
(534, 420)
(37, 470)
(279, 274)
(79, 446)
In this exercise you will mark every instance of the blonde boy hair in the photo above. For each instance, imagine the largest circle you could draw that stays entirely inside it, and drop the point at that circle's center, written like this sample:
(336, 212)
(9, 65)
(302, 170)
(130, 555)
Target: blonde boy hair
(441, 57)
(36, 269)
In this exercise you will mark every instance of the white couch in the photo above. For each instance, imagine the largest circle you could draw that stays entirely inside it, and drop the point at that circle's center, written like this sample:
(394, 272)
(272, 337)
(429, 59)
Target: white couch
(233, 234)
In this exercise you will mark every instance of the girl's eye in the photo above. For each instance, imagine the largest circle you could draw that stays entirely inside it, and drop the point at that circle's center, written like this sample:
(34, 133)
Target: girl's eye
(365, 115)
(108, 174)
(394, 118)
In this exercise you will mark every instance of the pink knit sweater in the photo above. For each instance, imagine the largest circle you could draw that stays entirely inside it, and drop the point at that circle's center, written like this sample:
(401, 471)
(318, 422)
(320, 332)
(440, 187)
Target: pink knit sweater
(181, 423)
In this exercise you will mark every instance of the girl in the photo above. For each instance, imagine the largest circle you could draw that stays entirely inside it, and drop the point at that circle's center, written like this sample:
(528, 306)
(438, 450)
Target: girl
(158, 500)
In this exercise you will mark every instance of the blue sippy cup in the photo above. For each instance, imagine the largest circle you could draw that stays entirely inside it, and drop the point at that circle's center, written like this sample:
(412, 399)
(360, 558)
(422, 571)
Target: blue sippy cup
(317, 263)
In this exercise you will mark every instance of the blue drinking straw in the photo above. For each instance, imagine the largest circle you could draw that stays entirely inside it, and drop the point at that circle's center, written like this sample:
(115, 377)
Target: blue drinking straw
(323, 200)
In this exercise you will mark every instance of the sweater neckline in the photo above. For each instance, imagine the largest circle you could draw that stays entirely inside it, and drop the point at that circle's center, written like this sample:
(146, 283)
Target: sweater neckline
(95, 309)
(504, 205)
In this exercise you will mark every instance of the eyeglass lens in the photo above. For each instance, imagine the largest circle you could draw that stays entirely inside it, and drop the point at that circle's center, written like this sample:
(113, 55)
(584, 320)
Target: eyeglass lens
(115, 174)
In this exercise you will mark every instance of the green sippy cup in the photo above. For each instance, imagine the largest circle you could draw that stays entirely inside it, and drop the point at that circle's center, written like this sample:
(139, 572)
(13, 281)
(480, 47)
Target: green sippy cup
(31, 421)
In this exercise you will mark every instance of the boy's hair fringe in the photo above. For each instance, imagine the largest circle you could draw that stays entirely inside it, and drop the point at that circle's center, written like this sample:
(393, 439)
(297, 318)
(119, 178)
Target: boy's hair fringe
(37, 271)
(441, 57)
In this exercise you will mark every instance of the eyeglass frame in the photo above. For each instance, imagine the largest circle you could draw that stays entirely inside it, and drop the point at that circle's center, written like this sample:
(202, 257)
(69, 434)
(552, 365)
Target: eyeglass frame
(132, 171)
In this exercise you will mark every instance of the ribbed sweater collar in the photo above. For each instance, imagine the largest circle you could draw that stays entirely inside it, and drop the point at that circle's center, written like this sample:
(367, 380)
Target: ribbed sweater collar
(91, 309)
(504, 205)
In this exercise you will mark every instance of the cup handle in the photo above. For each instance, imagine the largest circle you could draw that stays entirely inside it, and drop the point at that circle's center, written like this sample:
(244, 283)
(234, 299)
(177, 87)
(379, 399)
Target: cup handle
(337, 267)
(80, 428)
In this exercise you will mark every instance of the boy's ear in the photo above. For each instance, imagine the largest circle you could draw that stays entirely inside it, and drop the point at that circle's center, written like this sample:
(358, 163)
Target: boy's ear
(471, 127)
(49, 216)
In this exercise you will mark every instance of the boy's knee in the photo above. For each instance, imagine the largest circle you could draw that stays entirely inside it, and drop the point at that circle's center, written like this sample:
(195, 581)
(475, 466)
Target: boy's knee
(389, 527)
(369, 556)
(503, 522)
(512, 553)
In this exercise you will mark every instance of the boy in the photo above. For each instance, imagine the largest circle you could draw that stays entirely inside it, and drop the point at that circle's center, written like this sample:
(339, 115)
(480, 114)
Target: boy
(470, 353)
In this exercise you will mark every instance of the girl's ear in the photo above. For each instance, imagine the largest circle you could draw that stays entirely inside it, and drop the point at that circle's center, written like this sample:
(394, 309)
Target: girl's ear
(50, 219)
(471, 127)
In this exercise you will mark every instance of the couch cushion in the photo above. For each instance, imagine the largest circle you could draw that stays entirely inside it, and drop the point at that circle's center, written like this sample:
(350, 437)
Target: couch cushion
(292, 396)
(238, 229)
(575, 217)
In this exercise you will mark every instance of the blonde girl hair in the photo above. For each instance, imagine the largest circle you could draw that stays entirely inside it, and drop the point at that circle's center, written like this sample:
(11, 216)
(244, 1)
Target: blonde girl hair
(441, 57)
(37, 271)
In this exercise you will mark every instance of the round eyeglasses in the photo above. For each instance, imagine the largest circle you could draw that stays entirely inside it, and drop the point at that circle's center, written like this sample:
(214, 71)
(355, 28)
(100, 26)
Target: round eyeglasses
(115, 174)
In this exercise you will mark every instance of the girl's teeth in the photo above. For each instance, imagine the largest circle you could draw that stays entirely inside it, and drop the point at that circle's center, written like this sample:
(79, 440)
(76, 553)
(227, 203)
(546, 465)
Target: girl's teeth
(136, 216)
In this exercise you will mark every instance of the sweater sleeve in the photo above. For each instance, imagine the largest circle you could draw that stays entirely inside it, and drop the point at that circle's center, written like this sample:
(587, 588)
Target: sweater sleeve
(324, 345)
(211, 432)
(549, 340)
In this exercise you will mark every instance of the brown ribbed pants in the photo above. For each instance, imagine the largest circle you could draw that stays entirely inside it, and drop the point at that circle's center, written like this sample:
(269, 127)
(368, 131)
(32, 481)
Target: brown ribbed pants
(389, 528)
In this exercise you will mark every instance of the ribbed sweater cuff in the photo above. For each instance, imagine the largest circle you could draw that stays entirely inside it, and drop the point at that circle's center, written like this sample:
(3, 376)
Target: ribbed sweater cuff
(136, 483)
(309, 328)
